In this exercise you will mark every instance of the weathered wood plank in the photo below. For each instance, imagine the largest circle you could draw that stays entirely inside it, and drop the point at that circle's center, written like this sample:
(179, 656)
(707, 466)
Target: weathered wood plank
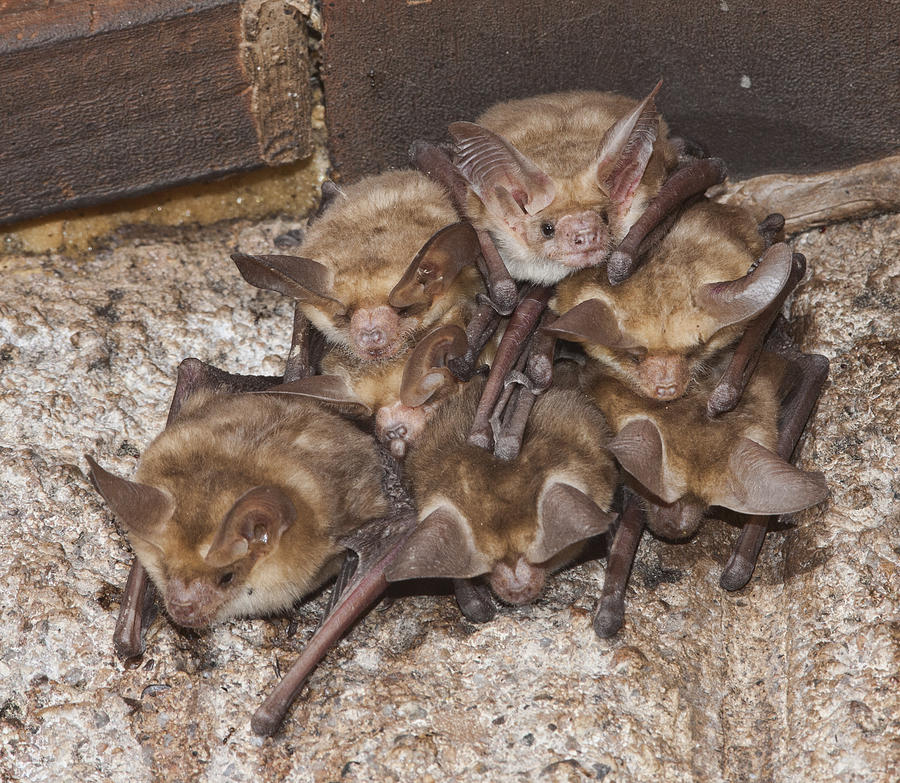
(105, 99)
(798, 87)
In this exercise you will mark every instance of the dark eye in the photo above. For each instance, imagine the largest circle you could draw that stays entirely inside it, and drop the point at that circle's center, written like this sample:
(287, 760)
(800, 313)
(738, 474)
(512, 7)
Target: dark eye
(635, 356)
(226, 579)
(604, 216)
(548, 229)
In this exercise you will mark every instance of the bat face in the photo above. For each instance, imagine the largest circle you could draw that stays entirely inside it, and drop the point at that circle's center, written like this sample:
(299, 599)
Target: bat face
(670, 322)
(686, 461)
(557, 180)
(238, 504)
(354, 256)
(512, 522)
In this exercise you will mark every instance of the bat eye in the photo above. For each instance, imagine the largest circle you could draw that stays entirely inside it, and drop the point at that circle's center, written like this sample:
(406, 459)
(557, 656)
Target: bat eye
(604, 216)
(548, 229)
(226, 579)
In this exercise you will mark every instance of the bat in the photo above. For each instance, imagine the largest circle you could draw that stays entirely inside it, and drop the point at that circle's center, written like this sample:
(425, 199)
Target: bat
(681, 462)
(676, 320)
(557, 180)
(238, 506)
(386, 262)
(389, 262)
(511, 522)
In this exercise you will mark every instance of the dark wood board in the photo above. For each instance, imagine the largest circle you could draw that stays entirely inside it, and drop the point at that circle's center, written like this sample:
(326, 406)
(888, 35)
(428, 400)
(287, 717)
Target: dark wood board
(108, 98)
(824, 76)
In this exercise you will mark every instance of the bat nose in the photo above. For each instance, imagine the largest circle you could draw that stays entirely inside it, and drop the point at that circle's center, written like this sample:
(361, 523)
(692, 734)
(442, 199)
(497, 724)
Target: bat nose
(666, 391)
(372, 339)
(584, 238)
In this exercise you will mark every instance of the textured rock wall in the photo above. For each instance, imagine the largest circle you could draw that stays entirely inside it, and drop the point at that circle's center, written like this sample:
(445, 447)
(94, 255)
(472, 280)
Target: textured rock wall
(794, 678)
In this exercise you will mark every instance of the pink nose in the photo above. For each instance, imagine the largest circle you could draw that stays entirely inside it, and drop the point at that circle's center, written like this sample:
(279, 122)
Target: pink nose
(585, 237)
(372, 339)
(667, 392)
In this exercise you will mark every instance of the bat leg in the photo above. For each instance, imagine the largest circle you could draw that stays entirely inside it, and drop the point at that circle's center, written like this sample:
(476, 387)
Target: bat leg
(501, 287)
(479, 330)
(611, 610)
(730, 388)
(744, 553)
(811, 371)
(136, 612)
(685, 183)
(377, 544)
(510, 429)
(522, 323)
(474, 600)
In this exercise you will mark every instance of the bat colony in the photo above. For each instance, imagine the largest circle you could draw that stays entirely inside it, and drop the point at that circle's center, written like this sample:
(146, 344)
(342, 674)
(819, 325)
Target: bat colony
(542, 311)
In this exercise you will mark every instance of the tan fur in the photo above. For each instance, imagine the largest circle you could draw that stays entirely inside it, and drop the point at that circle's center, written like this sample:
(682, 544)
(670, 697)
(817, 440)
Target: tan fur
(695, 447)
(499, 499)
(657, 307)
(561, 134)
(222, 445)
(368, 236)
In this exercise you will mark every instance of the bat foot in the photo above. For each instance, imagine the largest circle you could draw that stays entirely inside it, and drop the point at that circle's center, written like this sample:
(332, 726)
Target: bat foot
(266, 722)
(507, 447)
(736, 574)
(482, 439)
(504, 296)
(723, 399)
(609, 618)
(619, 267)
(474, 601)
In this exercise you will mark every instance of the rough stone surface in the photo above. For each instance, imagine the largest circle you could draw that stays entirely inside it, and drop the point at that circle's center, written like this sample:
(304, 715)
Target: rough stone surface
(794, 678)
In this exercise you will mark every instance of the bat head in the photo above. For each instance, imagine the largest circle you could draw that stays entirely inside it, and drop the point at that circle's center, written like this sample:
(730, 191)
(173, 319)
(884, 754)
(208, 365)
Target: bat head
(385, 262)
(545, 226)
(224, 514)
(511, 522)
(669, 323)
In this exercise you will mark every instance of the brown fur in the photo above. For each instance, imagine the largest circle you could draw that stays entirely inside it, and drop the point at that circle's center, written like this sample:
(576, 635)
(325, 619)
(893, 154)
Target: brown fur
(367, 238)
(696, 448)
(219, 447)
(656, 307)
(561, 134)
(499, 500)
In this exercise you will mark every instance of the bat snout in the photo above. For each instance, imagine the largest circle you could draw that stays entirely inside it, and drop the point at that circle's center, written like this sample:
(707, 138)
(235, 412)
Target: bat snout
(192, 605)
(519, 584)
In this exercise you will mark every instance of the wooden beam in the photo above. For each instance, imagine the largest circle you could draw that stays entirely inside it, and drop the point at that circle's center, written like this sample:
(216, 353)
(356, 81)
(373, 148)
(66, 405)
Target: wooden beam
(102, 99)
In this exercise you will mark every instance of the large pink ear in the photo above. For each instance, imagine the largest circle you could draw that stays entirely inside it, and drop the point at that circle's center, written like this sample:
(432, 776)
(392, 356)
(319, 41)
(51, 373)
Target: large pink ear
(254, 524)
(440, 546)
(565, 516)
(625, 152)
(494, 167)
(301, 278)
(426, 371)
(140, 508)
(638, 447)
(733, 301)
(761, 482)
(331, 389)
(436, 265)
(591, 321)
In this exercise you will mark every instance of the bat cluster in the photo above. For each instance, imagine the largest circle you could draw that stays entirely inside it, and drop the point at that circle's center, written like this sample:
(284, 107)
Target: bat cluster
(485, 349)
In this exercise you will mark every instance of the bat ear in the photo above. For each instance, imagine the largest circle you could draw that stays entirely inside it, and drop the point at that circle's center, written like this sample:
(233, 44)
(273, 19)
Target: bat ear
(565, 516)
(425, 371)
(761, 482)
(303, 279)
(491, 164)
(730, 302)
(140, 508)
(331, 389)
(440, 546)
(255, 524)
(625, 152)
(638, 447)
(591, 321)
(436, 266)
